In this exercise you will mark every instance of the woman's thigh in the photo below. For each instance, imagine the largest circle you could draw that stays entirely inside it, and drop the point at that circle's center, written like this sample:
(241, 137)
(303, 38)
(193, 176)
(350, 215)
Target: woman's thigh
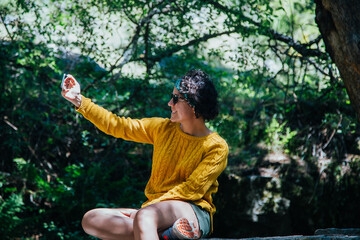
(109, 223)
(109, 212)
(167, 212)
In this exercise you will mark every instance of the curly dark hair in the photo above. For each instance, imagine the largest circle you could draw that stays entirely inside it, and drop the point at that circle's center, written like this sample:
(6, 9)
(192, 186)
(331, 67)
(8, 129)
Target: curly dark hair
(200, 93)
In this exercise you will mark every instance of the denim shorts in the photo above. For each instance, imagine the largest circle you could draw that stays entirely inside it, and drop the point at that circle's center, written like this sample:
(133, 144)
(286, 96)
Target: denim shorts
(203, 217)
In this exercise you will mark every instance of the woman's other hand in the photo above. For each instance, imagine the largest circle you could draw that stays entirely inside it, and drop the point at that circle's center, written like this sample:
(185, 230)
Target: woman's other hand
(71, 90)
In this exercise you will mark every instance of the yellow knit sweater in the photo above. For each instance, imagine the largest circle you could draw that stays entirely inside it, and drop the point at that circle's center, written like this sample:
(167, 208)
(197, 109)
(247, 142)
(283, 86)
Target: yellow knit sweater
(184, 167)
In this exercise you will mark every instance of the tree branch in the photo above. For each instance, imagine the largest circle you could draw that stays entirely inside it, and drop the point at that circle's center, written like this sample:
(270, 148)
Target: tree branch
(130, 48)
(300, 48)
(303, 49)
(174, 49)
(147, 48)
(7, 30)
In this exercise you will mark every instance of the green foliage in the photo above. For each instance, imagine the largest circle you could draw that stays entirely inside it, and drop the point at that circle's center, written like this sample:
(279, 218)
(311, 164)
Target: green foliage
(278, 136)
(279, 93)
(9, 209)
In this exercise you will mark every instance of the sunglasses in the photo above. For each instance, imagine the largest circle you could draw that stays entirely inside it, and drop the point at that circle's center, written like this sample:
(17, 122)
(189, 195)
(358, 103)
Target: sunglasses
(176, 98)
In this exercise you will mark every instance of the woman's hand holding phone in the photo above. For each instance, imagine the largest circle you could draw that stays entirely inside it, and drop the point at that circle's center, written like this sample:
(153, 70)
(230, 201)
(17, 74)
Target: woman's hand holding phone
(70, 90)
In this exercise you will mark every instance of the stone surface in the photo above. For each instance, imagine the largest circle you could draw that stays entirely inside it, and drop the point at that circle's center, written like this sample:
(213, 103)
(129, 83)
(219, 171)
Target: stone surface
(337, 231)
(320, 234)
(316, 237)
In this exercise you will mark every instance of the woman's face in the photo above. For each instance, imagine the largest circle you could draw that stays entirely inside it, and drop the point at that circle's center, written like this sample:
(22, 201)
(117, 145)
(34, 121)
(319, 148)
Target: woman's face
(181, 111)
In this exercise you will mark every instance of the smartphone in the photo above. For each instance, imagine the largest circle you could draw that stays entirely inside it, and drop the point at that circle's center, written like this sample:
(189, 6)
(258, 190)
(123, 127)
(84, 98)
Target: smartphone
(63, 79)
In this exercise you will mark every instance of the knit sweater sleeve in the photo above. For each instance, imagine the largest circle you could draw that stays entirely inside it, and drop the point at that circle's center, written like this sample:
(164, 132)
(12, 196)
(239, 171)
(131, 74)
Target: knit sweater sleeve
(138, 130)
(202, 178)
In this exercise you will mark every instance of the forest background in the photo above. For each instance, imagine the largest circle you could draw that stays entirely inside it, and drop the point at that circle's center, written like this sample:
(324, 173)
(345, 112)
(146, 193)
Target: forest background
(294, 163)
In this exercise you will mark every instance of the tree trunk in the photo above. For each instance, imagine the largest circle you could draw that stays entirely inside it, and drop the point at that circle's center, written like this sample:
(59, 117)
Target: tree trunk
(339, 24)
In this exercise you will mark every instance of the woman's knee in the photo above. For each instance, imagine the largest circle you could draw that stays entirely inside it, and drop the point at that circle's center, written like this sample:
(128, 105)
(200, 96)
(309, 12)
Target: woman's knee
(146, 217)
(89, 220)
(106, 223)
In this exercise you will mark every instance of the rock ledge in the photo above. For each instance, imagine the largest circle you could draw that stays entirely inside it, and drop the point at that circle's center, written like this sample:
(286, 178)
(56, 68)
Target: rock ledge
(323, 234)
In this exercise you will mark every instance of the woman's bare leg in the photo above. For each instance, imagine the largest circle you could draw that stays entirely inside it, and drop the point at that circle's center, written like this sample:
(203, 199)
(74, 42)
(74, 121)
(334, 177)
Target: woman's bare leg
(156, 218)
(109, 224)
(146, 223)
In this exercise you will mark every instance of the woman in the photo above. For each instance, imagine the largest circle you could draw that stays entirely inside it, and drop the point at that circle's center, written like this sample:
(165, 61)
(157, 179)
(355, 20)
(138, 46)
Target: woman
(187, 160)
